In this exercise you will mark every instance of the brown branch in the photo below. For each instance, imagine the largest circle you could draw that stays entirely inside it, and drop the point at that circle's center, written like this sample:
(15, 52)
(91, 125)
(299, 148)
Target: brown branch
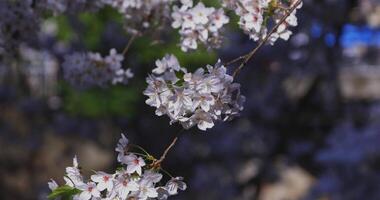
(131, 40)
(248, 56)
(235, 60)
(157, 163)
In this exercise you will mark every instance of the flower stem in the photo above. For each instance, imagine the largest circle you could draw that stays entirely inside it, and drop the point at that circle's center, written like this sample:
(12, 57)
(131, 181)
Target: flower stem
(140, 148)
(166, 172)
(167, 150)
(131, 40)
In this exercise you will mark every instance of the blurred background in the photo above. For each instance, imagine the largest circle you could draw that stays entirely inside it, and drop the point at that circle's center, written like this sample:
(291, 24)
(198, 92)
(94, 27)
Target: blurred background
(310, 128)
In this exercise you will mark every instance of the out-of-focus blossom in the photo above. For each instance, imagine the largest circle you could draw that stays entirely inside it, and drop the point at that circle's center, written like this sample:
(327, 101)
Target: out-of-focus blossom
(199, 24)
(91, 69)
(255, 17)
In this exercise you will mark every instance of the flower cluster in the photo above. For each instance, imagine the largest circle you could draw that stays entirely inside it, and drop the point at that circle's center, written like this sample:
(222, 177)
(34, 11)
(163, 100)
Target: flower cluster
(198, 24)
(136, 179)
(198, 98)
(255, 16)
(62, 6)
(141, 15)
(91, 69)
(18, 24)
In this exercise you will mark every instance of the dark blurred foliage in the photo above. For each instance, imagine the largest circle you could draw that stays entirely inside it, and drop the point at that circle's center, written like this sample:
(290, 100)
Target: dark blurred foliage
(309, 129)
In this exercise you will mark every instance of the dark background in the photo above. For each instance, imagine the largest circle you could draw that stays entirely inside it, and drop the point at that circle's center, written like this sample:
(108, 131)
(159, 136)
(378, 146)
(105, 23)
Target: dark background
(309, 130)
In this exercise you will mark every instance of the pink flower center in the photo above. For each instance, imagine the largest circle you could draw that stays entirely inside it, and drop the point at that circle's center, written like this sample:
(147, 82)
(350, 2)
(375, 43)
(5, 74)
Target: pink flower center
(255, 18)
(106, 178)
(136, 161)
(90, 189)
(125, 183)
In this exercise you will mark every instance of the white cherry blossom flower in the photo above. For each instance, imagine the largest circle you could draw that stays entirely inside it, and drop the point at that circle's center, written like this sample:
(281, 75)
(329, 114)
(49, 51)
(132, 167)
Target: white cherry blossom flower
(89, 190)
(134, 163)
(254, 20)
(180, 100)
(121, 147)
(73, 174)
(175, 184)
(203, 120)
(169, 62)
(204, 101)
(201, 98)
(146, 190)
(103, 180)
(130, 181)
(200, 13)
(52, 185)
(151, 176)
(198, 24)
(163, 193)
(124, 186)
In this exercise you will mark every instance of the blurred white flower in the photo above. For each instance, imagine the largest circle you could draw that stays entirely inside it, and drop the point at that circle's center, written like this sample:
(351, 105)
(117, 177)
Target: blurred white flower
(91, 69)
(52, 185)
(254, 18)
(198, 24)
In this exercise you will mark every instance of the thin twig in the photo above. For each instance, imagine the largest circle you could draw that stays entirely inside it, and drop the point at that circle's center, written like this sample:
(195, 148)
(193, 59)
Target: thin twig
(248, 56)
(167, 151)
(166, 172)
(140, 148)
(131, 40)
(235, 60)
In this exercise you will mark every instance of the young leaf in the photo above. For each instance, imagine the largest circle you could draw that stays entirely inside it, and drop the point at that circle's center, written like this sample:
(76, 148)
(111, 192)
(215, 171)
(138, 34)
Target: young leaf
(66, 192)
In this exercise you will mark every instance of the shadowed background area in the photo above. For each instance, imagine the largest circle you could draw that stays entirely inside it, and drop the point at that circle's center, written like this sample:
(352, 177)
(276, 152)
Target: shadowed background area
(309, 130)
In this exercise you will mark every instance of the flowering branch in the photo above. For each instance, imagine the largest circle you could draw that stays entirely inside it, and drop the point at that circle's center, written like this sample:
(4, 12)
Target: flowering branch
(248, 56)
(134, 179)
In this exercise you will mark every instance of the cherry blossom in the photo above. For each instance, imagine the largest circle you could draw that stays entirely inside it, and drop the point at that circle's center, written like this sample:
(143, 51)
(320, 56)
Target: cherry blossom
(134, 163)
(255, 16)
(121, 147)
(89, 190)
(52, 185)
(74, 177)
(175, 184)
(124, 186)
(137, 178)
(91, 69)
(200, 99)
(103, 180)
(198, 24)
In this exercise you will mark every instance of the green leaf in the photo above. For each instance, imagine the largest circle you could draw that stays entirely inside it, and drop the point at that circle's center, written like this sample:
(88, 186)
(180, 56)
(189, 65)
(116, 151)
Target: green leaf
(66, 192)
(101, 102)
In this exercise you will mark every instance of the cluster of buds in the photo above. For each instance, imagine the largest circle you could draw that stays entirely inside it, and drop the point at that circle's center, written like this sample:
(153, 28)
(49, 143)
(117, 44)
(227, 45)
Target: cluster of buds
(198, 98)
(91, 69)
(136, 179)
(257, 15)
(198, 24)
